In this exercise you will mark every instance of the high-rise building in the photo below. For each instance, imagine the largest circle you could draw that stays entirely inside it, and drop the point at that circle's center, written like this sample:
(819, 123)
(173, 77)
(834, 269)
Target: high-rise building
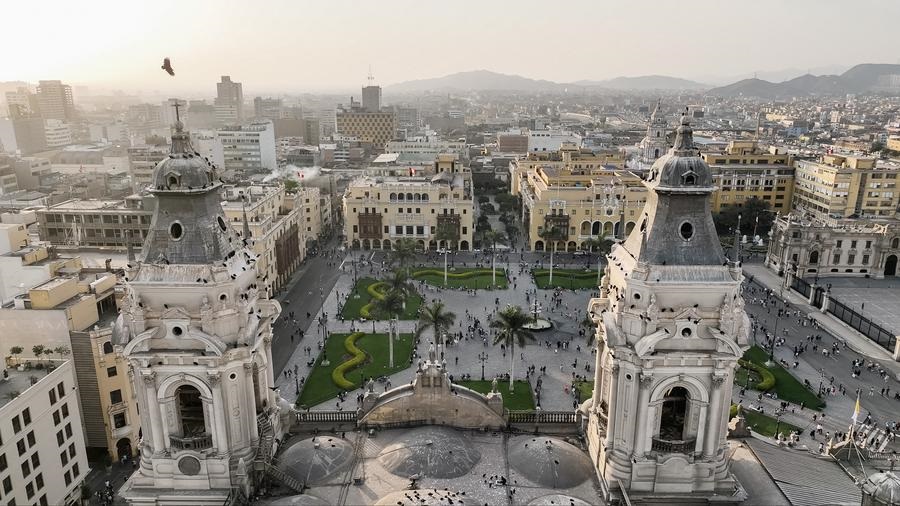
(671, 328)
(839, 186)
(229, 101)
(371, 98)
(142, 160)
(23, 135)
(22, 103)
(201, 379)
(248, 148)
(55, 100)
(57, 133)
(267, 108)
(375, 128)
(743, 172)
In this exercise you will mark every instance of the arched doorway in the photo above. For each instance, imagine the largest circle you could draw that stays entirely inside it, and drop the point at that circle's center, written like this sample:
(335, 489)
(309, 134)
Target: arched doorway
(191, 421)
(464, 245)
(890, 266)
(585, 228)
(571, 247)
(123, 448)
(421, 245)
(608, 228)
(432, 245)
(442, 244)
(386, 244)
(366, 245)
(595, 228)
(376, 243)
(673, 416)
(629, 227)
(355, 244)
(814, 257)
(539, 245)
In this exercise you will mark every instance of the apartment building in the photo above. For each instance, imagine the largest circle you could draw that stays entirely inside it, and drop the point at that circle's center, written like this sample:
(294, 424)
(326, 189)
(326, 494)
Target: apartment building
(96, 223)
(838, 186)
(372, 127)
(572, 196)
(743, 171)
(43, 459)
(249, 148)
(55, 100)
(436, 210)
(141, 162)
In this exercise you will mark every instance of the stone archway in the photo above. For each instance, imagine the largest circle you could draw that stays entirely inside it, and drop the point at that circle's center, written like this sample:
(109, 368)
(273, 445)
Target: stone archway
(629, 227)
(608, 228)
(464, 245)
(596, 228)
(386, 244)
(585, 228)
(571, 247)
(366, 244)
(123, 448)
(539, 245)
(355, 244)
(376, 243)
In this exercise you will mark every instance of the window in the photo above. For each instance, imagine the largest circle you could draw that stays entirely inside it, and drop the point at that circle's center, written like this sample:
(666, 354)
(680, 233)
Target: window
(63, 457)
(26, 469)
(43, 500)
(16, 424)
(865, 260)
(29, 490)
(111, 371)
(35, 460)
(72, 450)
(26, 413)
(39, 481)
(852, 244)
(836, 259)
(868, 244)
(61, 390)
(3, 464)
(119, 420)
(20, 445)
(60, 439)
(68, 430)
(75, 471)
(115, 396)
(851, 259)
(30, 439)
(56, 418)
(68, 478)
(107, 348)
(838, 244)
(65, 410)
(7, 485)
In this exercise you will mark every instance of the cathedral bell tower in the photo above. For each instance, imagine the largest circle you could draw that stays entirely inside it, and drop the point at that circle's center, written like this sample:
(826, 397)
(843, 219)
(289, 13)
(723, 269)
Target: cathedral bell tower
(670, 329)
(196, 329)
(654, 144)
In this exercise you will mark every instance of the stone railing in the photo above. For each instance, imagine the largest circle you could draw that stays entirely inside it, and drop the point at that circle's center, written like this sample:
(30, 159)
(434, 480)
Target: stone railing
(201, 442)
(326, 416)
(666, 446)
(542, 417)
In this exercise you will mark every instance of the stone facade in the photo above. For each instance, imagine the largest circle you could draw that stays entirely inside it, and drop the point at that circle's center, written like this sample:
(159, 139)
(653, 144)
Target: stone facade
(670, 329)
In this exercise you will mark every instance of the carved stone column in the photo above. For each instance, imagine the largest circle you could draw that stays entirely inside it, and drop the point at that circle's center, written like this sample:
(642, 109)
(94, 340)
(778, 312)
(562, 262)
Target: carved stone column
(643, 413)
(613, 408)
(249, 411)
(711, 437)
(220, 437)
(156, 421)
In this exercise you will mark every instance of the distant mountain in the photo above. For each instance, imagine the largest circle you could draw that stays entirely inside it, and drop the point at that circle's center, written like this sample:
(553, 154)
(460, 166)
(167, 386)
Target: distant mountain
(859, 79)
(474, 80)
(486, 80)
(645, 83)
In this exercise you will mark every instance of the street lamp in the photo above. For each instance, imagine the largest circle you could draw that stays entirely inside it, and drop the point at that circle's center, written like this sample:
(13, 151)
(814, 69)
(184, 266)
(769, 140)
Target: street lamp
(777, 425)
(482, 357)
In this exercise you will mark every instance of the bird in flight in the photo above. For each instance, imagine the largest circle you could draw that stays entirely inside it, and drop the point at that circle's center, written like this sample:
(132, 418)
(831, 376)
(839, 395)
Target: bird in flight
(167, 66)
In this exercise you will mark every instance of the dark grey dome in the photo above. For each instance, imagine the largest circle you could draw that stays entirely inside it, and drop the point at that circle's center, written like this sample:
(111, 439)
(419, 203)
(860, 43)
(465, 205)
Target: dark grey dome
(316, 460)
(435, 452)
(682, 166)
(549, 462)
(184, 168)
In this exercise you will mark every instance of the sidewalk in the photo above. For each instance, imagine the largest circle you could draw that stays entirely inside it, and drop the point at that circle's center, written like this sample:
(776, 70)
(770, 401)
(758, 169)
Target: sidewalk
(841, 331)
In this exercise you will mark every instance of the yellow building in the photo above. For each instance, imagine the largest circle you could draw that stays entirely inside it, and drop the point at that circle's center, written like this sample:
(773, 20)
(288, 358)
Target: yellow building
(893, 143)
(579, 194)
(839, 186)
(435, 210)
(743, 171)
(374, 127)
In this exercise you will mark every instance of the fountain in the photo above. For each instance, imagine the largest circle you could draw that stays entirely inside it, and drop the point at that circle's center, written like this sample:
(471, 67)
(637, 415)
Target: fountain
(537, 323)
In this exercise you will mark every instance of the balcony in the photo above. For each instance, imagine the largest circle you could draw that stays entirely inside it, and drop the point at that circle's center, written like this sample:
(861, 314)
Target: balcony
(196, 443)
(666, 446)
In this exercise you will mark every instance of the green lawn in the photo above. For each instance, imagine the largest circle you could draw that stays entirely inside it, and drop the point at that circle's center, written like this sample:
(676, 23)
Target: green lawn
(740, 377)
(319, 386)
(585, 390)
(520, 399)
(460, 277)
(360, 297)
(573, 279)
(787, 386)
(765, 424)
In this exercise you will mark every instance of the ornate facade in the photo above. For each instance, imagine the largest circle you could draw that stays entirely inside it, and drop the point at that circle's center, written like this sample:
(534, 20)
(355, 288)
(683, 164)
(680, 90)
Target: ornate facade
(195, 327)
(654, 144)
(670, 329)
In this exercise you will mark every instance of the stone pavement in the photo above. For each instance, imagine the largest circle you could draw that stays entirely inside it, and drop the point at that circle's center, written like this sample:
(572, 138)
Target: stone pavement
(462, 358)
(878, 299)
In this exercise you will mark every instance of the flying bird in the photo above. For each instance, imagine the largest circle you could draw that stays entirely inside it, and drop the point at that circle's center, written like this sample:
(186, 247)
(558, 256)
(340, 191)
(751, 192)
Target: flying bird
(167, 66)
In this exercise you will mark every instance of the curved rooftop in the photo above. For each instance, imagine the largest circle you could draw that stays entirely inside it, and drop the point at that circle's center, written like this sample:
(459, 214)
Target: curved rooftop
(184, 168)
(549, 462)
(434, 452)
(316, 460)
(681, 168)
(883, 487)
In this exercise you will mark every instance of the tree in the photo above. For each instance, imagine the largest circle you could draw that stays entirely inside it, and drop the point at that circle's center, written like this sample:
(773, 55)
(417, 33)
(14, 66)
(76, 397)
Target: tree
(510, 324)
(401, 284)
(15, 351)
(290, 185)
(404, 252)
(493, 237)
(599, 245)
(38, 350)
(436, 317)
(61, 350)
(391, 304)
(550, 234)
(752, 210)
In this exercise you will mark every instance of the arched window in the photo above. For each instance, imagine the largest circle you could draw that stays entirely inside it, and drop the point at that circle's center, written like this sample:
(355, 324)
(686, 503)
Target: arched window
(424, 197)
(393, 197)
(814, 257)
(689, 178)
(656, 153)
(674, 415)
(107, 348)
(896, 242)
(401, 197)
(409, 196)
(190, 411)
(657, 134)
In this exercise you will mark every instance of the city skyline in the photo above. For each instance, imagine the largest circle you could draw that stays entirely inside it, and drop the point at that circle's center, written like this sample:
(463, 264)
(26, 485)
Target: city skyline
(318, 47)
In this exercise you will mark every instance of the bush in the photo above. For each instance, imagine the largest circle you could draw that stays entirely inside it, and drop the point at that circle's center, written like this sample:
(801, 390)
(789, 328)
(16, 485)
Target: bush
(375, 291)
(358, 357)
(767, 379)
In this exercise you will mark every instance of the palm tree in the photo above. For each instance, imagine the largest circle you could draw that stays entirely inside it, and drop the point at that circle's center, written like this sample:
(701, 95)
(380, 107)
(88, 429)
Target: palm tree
(391, 305)
(550, 234)
(493, 237)
(61, 350)
(401, 284)
(404, 252)
(511, 325)
(437, 318)
(599, 245)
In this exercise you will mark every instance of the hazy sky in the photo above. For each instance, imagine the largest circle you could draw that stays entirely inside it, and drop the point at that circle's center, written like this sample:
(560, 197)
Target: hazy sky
(275, 45)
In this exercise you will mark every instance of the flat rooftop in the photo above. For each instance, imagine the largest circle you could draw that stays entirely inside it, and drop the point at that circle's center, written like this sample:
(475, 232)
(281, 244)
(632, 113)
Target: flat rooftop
(18, 381)
(92, 205)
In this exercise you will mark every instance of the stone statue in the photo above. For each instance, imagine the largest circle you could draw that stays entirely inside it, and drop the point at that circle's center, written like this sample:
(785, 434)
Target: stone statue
(652, 308)
(432, 354)
(494, 386)
(370, 385)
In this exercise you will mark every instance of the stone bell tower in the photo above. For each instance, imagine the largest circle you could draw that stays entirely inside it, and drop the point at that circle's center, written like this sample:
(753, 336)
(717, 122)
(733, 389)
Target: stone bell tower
(195, 327)
(670, 329)
(654, 144)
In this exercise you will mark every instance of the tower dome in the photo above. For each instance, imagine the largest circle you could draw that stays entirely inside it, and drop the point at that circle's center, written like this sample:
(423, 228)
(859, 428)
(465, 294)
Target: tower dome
(682, 168)
(184, 168)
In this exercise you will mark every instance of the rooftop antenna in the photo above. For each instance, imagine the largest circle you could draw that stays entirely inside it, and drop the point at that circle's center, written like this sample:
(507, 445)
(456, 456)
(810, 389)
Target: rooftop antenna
(371, 77)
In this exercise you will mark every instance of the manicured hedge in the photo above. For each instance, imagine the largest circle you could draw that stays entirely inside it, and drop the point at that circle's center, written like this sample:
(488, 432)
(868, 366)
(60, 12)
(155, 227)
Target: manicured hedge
(375, 291)
(337, 375)
(767, 379)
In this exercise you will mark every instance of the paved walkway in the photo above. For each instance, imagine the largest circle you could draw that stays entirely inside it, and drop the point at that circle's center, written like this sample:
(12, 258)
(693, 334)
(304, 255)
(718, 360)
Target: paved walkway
(462, 358)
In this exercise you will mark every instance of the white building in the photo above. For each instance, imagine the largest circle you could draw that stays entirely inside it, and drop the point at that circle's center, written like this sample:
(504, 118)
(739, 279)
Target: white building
(426, 146)
(248, 148)
(208, 144)
(57, 133)
(654, 144)
(671, 327)
(196, 328)
(42, 456)
(550, 140)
